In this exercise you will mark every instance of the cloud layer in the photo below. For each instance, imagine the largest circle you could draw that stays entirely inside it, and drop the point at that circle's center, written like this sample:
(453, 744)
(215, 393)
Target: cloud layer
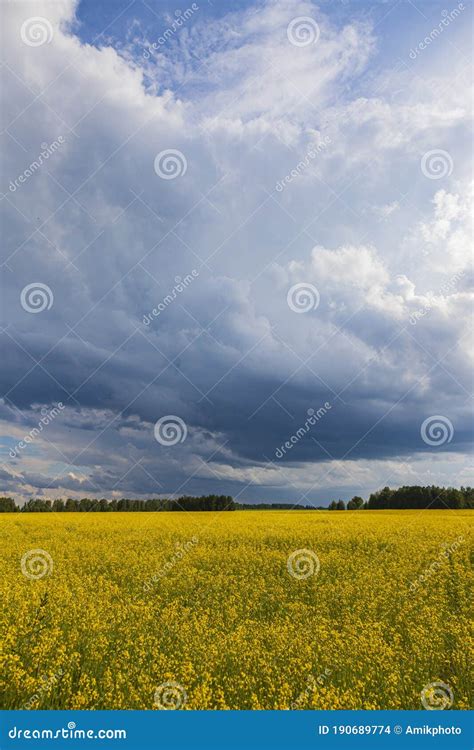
(167, 278)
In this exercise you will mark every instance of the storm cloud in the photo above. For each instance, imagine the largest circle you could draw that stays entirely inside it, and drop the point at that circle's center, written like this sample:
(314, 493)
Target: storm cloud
(238, 232)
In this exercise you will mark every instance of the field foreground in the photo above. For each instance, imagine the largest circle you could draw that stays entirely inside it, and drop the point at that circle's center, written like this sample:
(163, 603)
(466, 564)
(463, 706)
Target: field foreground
(241, 610)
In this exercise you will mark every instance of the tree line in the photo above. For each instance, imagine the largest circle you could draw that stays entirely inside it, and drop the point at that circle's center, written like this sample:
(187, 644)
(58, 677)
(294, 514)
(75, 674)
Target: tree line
(409, 497)
(402, 498)
(276, 506)
(87, 505)
(422, 497)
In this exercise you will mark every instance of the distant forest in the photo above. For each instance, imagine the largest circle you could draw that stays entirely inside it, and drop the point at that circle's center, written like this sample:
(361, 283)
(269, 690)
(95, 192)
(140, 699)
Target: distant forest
(436, 498)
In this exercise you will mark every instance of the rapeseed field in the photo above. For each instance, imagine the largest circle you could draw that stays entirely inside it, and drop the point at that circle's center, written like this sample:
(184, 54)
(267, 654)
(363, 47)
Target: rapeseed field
(238, 610)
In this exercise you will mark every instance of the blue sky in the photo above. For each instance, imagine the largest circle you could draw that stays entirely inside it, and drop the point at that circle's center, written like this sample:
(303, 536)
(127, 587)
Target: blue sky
(237, 249)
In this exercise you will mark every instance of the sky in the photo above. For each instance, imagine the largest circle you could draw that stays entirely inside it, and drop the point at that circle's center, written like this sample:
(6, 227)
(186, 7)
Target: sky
(236, 248)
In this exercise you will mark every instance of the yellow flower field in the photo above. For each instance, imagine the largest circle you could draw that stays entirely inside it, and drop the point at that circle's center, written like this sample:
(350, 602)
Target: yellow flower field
(238, 610)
